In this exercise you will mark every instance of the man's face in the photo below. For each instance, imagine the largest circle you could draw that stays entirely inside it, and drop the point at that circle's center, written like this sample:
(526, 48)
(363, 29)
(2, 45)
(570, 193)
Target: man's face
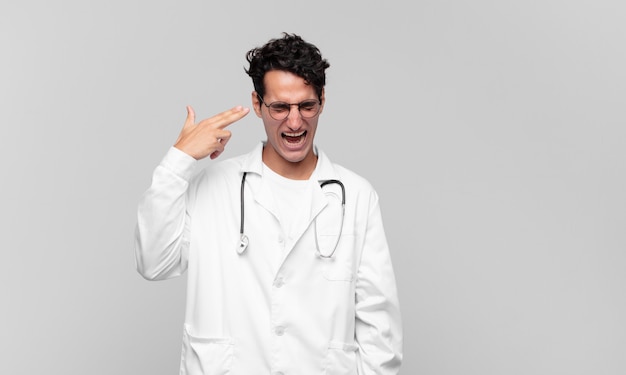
(290, 140)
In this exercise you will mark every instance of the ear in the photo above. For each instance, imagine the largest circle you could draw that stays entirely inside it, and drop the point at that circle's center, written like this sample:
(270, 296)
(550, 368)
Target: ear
(256, 104)
(323, 100)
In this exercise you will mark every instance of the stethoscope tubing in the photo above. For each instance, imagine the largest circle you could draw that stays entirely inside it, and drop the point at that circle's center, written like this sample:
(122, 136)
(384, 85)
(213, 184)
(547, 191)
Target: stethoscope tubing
(243, 239)
(243, 242)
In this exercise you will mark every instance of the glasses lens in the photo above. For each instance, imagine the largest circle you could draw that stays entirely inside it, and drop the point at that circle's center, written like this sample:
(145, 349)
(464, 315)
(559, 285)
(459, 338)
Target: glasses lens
(309, 108)
(279, 111)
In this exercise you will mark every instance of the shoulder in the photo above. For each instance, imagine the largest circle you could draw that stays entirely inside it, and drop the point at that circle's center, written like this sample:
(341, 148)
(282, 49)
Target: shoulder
(356, 186)
(328, 169)
(353, 178)
(220, 169)
(235, 166)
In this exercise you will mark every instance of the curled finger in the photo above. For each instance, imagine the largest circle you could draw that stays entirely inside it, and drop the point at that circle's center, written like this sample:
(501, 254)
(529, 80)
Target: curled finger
(224, 137)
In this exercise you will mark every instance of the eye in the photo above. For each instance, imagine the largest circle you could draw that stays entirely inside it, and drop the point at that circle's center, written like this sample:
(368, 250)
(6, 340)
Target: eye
(279, 107)
(309, 105)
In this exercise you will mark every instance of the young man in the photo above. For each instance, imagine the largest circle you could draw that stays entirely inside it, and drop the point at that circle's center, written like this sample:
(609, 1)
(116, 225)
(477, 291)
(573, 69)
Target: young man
(288, 266)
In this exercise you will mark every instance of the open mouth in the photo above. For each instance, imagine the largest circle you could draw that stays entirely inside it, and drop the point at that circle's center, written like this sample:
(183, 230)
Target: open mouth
(294, 139)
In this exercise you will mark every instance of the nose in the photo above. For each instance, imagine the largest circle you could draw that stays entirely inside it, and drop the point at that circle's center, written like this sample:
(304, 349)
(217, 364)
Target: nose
(294, 119)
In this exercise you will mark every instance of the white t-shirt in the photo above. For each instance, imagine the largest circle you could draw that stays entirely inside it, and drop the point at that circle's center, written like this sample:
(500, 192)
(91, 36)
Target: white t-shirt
(293, 201)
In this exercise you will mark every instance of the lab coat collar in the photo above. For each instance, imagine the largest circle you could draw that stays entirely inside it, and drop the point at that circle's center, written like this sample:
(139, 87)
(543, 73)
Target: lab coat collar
(253, 163)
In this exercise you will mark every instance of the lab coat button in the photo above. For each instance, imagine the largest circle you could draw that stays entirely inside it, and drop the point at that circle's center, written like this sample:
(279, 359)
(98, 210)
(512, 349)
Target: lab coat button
(279, 282)
(279, 331)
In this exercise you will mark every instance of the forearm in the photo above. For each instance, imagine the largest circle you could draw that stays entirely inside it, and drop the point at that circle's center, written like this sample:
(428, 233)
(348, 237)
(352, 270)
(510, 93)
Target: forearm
(378, 319)
(161, 239)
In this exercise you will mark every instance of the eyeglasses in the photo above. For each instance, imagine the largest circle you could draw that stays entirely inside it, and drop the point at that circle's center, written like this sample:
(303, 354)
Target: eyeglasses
(280, 110)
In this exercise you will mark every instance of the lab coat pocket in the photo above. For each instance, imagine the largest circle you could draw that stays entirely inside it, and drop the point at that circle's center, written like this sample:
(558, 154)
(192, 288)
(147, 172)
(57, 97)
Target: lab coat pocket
(206, 356)
(338, 272)
(341, 359)
(339, 266)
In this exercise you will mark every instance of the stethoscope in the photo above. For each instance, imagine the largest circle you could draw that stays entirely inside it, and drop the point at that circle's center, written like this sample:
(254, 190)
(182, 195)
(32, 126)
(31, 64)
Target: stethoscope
(244, 241)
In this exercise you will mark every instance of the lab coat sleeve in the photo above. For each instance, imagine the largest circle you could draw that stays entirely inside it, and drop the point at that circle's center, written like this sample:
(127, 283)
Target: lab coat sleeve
(378, 326)
(161, 234)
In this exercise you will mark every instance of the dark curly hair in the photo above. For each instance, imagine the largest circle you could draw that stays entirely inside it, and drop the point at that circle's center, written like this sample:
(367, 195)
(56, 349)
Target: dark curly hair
(289, 53)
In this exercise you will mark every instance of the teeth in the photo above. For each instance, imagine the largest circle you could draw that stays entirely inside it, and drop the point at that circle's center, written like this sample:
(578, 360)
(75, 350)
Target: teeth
(294, 134)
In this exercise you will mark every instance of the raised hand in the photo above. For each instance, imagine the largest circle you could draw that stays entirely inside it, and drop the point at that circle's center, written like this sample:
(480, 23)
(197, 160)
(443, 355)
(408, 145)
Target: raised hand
(209, 136)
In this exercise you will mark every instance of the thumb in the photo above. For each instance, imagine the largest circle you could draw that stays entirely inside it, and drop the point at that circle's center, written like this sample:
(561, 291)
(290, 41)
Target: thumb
(191, 117)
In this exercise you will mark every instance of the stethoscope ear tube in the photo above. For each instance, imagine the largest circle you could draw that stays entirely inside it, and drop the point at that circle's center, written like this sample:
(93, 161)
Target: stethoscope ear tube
(343, 189)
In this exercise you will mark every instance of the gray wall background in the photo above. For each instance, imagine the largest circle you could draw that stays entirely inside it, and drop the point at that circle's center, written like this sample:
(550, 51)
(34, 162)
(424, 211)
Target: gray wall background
(494, 132)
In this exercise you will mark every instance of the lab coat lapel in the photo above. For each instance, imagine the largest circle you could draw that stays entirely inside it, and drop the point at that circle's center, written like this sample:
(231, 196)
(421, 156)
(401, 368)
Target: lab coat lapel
(318, 202)
(264, 196)
(260, 189)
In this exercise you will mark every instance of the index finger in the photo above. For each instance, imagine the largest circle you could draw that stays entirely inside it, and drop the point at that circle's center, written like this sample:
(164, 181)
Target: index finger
(222, 120)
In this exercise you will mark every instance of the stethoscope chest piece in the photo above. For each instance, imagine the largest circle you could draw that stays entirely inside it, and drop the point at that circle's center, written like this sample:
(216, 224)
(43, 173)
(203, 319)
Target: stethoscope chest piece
(243, 244)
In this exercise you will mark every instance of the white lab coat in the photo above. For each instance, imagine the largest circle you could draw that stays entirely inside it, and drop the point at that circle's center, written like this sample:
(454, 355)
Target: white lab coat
(278, 308)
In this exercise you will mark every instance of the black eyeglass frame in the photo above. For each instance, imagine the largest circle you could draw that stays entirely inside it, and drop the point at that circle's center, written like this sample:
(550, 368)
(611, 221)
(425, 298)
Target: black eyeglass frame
(269, 107)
